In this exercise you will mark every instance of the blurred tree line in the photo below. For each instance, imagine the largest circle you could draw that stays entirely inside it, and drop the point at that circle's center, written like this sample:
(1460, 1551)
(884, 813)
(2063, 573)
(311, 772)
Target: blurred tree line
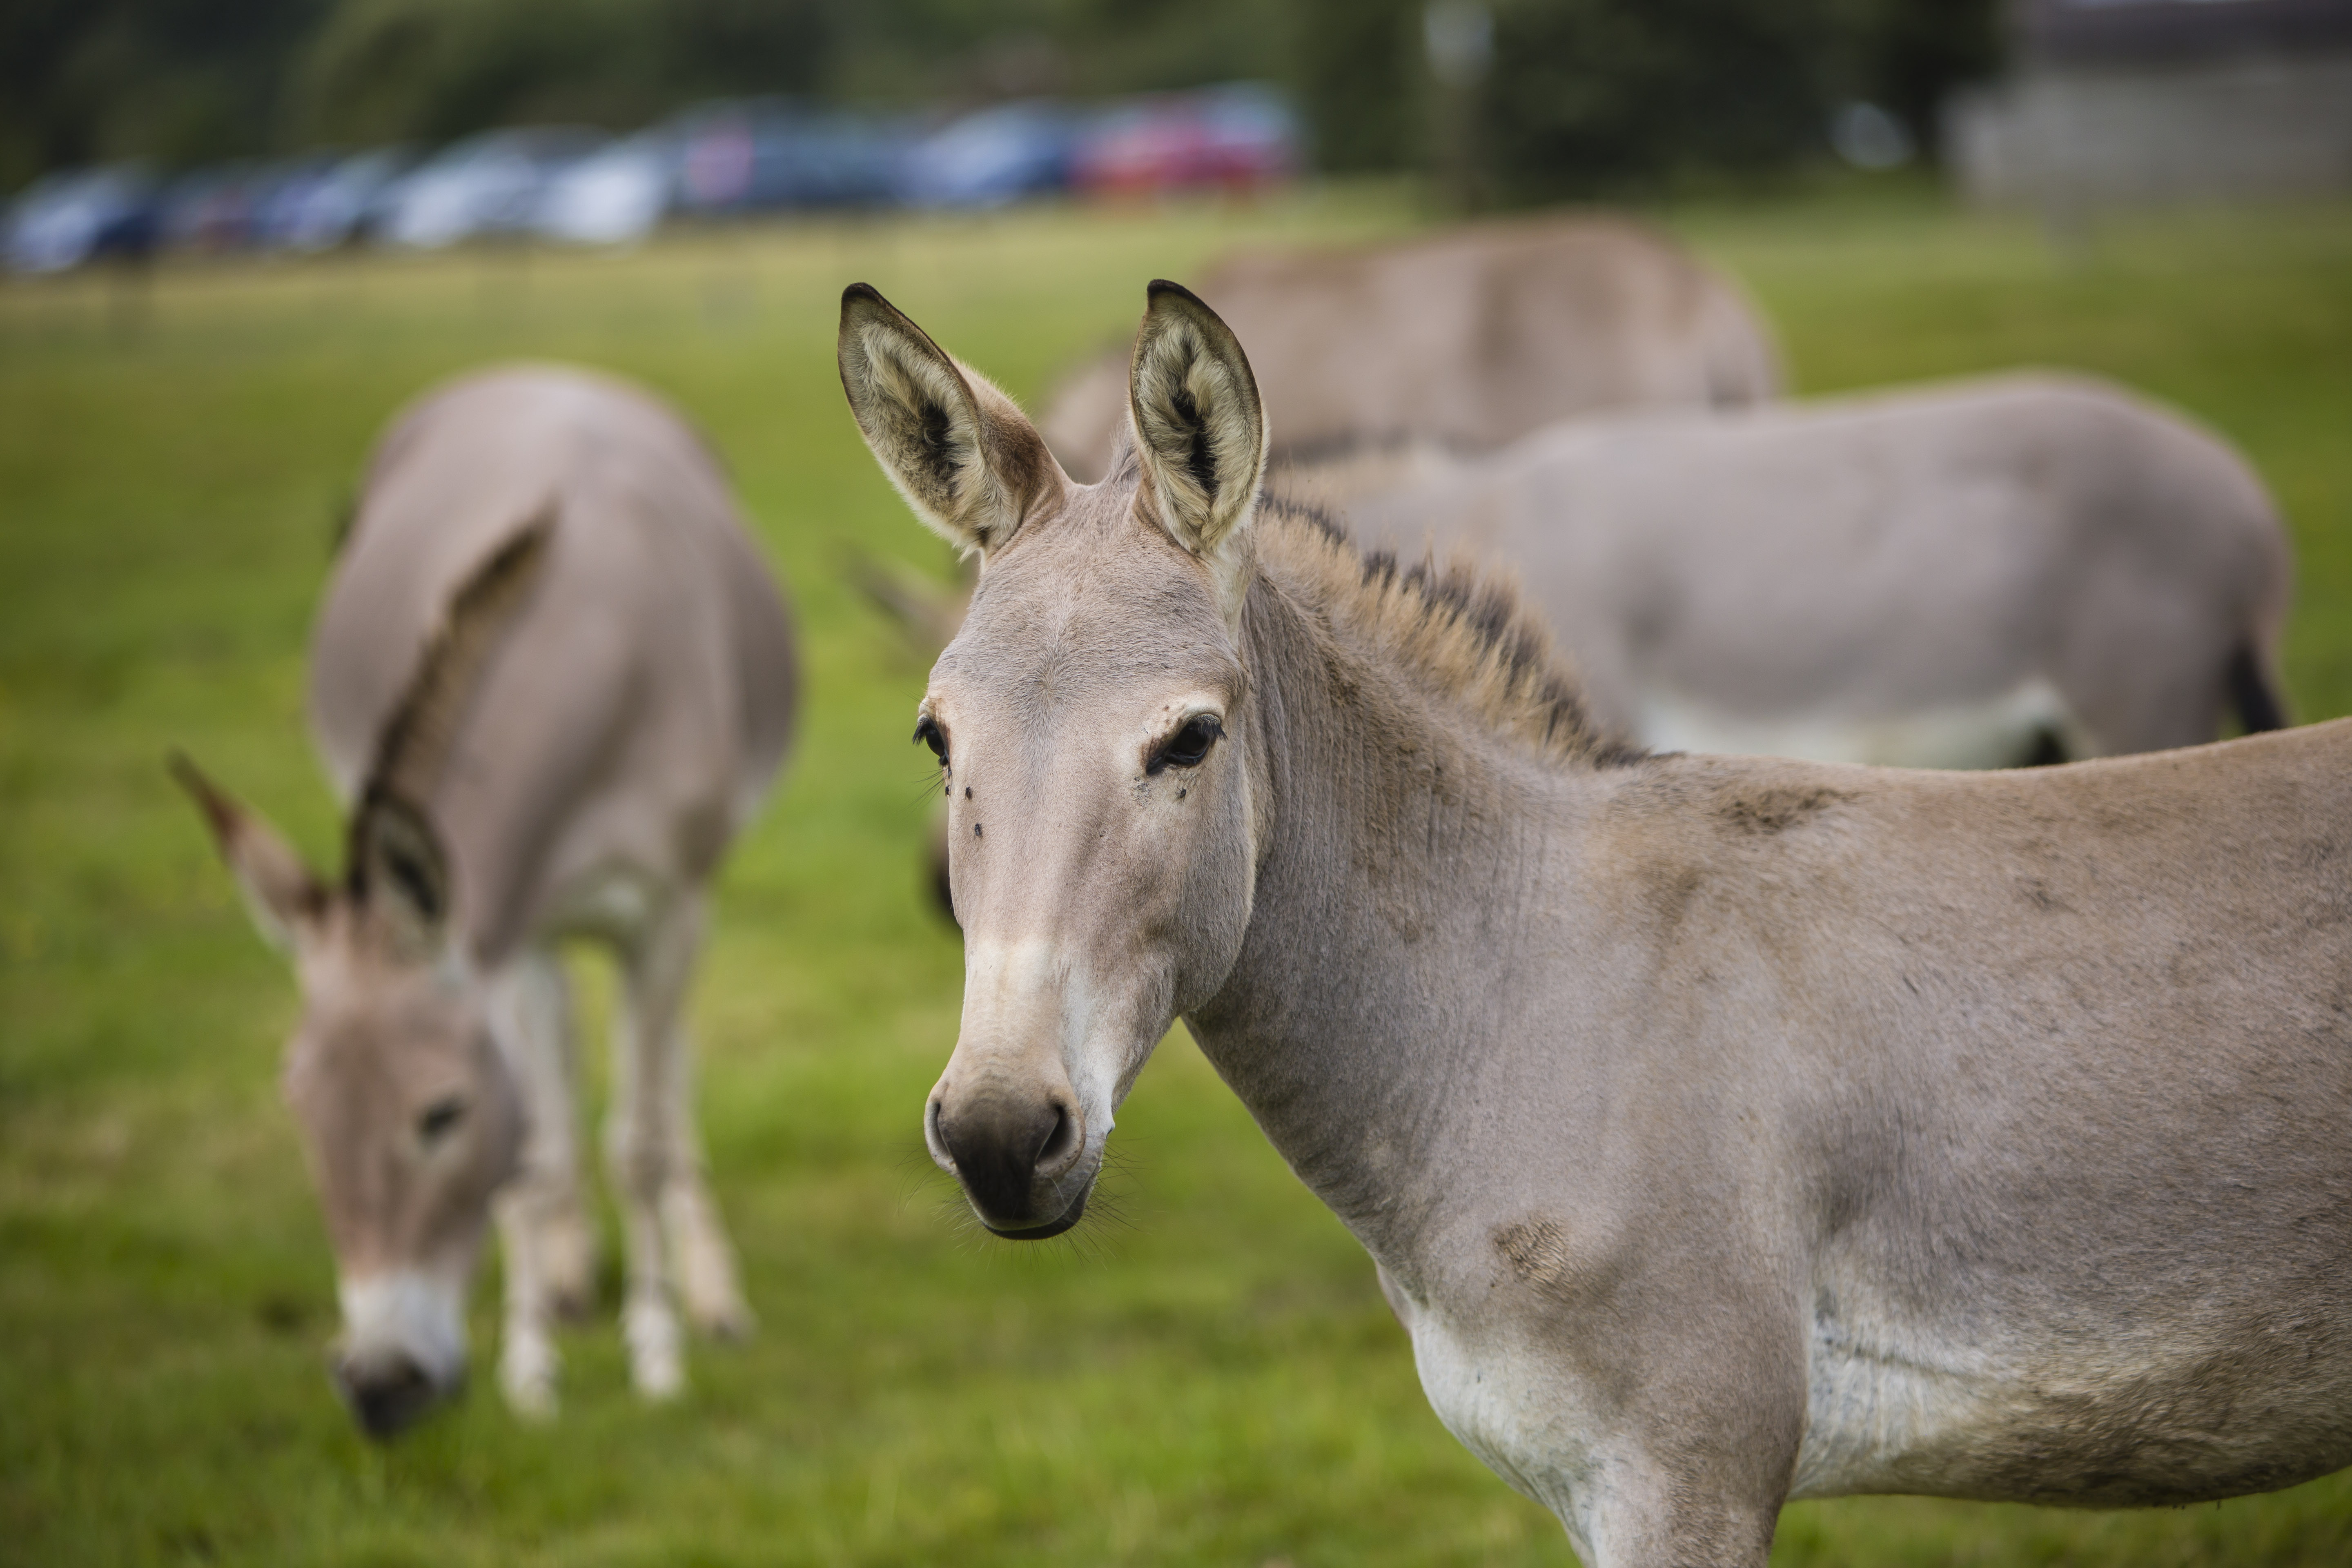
(1581, 95)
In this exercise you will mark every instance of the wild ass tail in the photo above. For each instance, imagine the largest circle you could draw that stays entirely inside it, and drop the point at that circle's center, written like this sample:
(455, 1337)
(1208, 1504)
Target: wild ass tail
(2251, 693)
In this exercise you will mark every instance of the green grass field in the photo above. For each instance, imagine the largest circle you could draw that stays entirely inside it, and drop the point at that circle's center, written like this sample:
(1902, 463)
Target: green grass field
(1208, 1378)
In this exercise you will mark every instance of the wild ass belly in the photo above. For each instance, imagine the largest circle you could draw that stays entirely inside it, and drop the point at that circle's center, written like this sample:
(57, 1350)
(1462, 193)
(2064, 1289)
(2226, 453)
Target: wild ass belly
(2121, 1419)
(1995, 731)
(2126, 1414)
(615, 902)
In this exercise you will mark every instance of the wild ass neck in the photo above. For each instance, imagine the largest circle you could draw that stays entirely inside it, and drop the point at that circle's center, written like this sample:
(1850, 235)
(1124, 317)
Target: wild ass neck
(1410, 836)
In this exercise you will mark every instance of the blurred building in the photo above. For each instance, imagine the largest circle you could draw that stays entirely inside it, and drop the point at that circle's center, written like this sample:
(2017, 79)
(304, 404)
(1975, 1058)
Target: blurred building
(2152, 100)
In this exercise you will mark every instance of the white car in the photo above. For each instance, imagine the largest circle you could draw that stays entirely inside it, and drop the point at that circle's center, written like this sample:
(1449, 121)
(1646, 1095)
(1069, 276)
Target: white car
(613, 196)
(332, 203)
(490, 184)
(67, 219)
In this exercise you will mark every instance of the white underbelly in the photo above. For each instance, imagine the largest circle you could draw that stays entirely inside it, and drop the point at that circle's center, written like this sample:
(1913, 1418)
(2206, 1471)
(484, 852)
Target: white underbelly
(617, 904)
(1997, 731)
(1889, 1411)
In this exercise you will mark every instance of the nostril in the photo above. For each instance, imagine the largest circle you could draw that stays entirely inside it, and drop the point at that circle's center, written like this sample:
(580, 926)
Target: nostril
(937, 1139)
(386, 1393)
(1061, 1140)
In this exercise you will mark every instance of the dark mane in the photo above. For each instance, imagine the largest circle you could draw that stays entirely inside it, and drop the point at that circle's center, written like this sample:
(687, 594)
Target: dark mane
(1465, 634)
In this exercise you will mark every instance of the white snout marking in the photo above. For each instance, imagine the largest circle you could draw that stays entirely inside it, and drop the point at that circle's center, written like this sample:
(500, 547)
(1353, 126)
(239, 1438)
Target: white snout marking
(418, 1314)
(1019, 994)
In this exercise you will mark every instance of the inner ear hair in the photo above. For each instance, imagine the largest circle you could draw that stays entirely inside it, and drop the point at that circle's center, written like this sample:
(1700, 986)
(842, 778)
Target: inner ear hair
(400, 872)
(1199, 423)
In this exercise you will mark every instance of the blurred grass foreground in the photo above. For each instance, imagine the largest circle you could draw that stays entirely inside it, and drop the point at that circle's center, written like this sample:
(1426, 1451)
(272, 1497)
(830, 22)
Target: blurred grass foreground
(1211, 1377)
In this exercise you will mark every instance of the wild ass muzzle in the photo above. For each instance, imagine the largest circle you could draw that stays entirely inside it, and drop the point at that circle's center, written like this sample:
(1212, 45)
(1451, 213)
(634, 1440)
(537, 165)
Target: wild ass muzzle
(553, 677)
(1726, 1130)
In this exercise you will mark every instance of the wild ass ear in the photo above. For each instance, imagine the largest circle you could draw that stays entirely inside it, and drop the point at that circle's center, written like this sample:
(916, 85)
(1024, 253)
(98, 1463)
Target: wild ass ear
(1200, 428)
(962, 452)
(286, 901)
(398, 868)
(400, 873)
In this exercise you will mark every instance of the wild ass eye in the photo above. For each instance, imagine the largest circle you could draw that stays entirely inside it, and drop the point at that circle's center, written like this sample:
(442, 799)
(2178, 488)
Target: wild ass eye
(440, 1118)
(1188, 746)
(928, 732)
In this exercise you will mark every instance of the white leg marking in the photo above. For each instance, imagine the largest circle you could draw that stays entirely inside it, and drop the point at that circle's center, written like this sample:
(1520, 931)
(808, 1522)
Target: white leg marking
(549, 1248)
(656, 1161)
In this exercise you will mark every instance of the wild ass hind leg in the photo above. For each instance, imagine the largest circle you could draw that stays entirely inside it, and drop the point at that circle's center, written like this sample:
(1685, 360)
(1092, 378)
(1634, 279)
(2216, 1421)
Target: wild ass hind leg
(543, 1231)
(656, 1163)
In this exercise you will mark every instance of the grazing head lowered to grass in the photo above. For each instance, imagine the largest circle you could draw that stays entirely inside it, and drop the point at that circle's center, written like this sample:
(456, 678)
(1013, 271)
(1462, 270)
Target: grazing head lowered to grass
(411, 1116)
(1726, 1130)
(554, 678)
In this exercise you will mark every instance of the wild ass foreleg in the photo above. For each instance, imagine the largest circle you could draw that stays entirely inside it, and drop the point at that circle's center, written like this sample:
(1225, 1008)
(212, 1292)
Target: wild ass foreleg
(1656, 1513)
(1657, 1445)
(656, 1161)
(548, 1247)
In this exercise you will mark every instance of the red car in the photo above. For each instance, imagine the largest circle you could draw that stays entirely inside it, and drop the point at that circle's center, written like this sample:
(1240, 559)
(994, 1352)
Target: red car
(1243, 137)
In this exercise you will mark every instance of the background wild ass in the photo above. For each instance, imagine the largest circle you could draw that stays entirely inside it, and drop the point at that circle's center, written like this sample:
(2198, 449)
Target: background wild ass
(1726, 1130)
(1487, 333)
(1992, 572)
(553, 678)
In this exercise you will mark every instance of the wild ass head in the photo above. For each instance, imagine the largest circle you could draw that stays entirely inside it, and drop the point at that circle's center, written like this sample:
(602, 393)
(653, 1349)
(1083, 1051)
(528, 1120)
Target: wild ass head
(410, 1116)
(1088, 719)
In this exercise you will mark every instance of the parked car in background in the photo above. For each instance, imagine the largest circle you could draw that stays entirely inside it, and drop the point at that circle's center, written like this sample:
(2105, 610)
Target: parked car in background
(741, 156)
(87, 214)
(487, 185)
(766, 154)
(333, 199)
(992, 156)
(1242, 136)
(213, 210)
(613, 196)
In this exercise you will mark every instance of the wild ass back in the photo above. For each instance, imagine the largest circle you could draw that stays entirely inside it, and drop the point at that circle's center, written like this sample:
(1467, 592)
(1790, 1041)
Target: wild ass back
(1974, 575)
(1488, 332)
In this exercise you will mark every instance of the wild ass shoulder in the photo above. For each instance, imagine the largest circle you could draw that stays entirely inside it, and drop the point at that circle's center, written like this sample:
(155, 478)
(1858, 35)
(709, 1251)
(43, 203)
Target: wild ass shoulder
(552, 680)
(1970, 574)
(1487, 331)
(1725, 1129)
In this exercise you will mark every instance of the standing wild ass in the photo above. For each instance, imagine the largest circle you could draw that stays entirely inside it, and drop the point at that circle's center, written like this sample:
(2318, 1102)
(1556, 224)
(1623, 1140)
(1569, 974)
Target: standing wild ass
(2011, 569)
(1726, 1130)
(553, 678)
(1488, 332)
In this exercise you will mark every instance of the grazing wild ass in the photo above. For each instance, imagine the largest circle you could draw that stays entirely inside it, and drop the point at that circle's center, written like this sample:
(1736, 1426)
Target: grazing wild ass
(1488, 332)
(1726, 1130)
(1977, 574)
(552, 679)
